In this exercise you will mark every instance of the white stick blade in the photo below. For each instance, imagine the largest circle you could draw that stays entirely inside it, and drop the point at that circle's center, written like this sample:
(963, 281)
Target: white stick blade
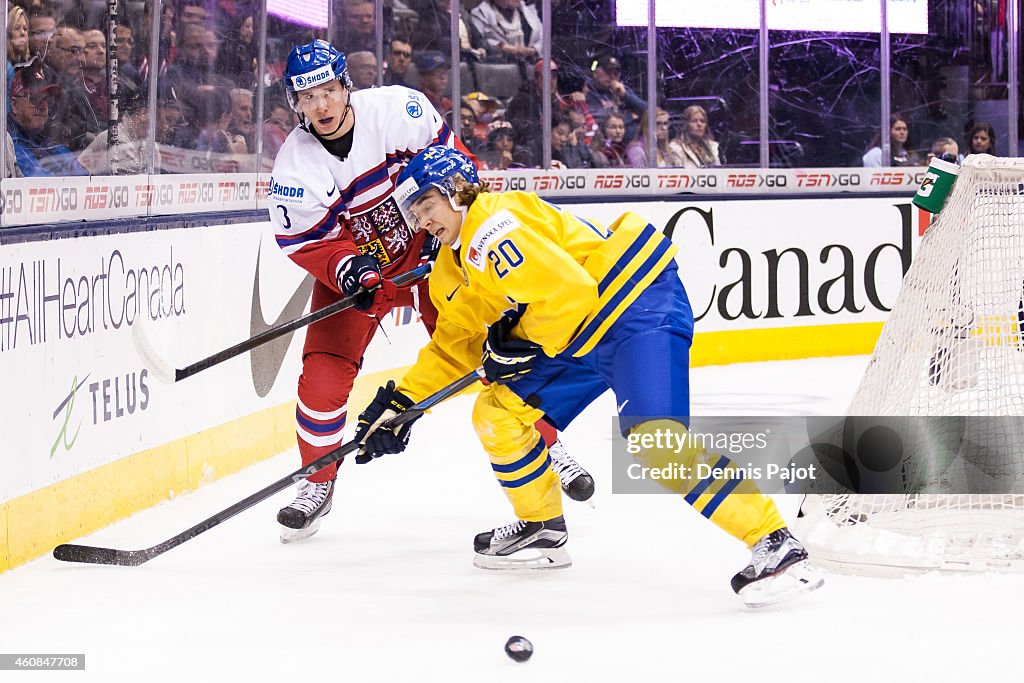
(156, 365)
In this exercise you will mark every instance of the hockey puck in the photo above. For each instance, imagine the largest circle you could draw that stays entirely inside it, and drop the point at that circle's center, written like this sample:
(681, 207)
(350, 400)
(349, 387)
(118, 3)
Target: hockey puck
(519, 648)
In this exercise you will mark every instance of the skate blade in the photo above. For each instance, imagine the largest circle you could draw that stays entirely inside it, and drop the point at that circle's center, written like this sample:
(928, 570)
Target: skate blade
(797, 580)
(589, 502)
(293, 535)
(531, 559)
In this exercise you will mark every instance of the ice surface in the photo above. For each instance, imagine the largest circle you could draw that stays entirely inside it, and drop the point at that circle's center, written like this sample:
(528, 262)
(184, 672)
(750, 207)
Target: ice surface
(386, 591)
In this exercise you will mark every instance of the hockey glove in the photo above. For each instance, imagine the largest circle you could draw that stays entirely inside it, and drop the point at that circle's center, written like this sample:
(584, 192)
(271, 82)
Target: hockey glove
(360, 277)
(375, 440)
(506, 359)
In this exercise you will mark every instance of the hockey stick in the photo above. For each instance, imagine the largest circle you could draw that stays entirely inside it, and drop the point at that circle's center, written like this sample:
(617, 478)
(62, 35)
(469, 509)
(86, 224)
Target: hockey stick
(168, 375)
(70, 552)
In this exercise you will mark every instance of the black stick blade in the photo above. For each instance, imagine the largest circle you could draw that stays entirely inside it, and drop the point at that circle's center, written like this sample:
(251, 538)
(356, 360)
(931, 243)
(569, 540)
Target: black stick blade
(69, 552)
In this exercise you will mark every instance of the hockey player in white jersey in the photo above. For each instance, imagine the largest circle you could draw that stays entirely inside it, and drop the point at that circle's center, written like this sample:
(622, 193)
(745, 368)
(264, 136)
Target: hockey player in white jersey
(333, 214)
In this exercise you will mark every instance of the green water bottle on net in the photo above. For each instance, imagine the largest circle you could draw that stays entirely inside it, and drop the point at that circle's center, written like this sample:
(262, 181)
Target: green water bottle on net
(937, 185)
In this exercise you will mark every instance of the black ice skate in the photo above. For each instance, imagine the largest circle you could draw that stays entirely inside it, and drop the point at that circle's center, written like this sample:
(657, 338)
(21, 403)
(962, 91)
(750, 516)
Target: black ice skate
(523, 545)
(301, 518)
(778, 570)
(576, 481)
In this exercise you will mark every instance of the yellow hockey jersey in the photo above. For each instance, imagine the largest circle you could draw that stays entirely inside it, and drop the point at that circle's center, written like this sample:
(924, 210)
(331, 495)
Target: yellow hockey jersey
(569, 277)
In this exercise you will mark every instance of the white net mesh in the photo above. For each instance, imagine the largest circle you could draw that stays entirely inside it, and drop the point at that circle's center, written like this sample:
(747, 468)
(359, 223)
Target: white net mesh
(952, 346)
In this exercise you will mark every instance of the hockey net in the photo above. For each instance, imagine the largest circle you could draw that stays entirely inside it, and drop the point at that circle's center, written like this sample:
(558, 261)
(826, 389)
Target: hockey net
(952, 346)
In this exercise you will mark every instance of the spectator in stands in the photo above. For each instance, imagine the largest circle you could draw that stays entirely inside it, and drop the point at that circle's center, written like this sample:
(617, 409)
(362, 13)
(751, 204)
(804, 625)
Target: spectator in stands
(434, 30)
(945, 149)
(583, 128)
(609, 147)
(32, 91)
(241, 117)
(358, 27)
(899, 132)
(608, 93)
(17, 39)
(399, 59)
(94, 73)
(362, 69)
(168, 39)
(567, 146)
(130, 151)
(124, 44)
(190, 73)
(501, 152)
(669, 152)
(168, 120)
(77, 119)
(64, 53)
(509, 28)
(41, 25)
(191, 67)
(236, 59)
(524, 109)
(484, 107)
(277, 128)
(433, 67)
(472, 133)
(700, 150)
(981, 139)
(214, 115)
(17, 44)
(572, 97)
(211, 44)
(191, 12)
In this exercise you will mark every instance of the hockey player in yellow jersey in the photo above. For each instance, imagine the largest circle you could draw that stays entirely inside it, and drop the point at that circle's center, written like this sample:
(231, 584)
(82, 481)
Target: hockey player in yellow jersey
(558, 309)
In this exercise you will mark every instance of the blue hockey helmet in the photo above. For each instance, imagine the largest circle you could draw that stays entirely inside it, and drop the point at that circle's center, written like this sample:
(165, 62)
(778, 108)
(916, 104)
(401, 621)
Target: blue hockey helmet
(311, 65)
(434, 167)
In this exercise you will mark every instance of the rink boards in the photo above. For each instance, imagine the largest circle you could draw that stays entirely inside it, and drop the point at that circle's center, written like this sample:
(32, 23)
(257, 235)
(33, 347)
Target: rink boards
(91, 436)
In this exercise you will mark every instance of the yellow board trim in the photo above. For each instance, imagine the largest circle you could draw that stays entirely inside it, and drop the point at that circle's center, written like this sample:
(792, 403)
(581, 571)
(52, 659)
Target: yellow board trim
(5, 559)
(783, 343)
(33, 524)
(74, 507)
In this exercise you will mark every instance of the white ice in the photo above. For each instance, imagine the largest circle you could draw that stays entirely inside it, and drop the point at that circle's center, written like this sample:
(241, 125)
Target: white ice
(386, 591)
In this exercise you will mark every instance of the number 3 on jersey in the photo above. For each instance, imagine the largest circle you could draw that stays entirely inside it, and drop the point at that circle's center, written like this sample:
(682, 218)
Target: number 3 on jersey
(284, 218)
(505, 257)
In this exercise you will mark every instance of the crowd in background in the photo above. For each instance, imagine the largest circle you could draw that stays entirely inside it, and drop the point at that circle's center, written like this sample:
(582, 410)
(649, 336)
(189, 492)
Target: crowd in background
(60, 120)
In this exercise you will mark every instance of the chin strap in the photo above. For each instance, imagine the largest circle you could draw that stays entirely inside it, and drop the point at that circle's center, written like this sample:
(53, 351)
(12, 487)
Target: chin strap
(458, 207)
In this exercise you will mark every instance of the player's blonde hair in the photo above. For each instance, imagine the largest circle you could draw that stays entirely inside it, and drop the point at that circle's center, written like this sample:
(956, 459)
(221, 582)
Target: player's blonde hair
(466, 192)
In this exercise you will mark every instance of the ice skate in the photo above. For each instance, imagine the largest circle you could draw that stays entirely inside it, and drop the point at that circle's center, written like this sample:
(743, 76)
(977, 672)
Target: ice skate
(301, 518)
(523, 545)
(778, 571)
(576, 481)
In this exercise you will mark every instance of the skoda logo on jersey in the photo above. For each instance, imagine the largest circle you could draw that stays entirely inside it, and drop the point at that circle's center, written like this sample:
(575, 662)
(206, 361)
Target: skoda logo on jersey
(280, 191)
(414, 109)
(321, 75)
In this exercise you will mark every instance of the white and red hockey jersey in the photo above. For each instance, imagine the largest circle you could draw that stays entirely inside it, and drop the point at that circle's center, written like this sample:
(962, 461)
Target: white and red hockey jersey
(324, 209)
